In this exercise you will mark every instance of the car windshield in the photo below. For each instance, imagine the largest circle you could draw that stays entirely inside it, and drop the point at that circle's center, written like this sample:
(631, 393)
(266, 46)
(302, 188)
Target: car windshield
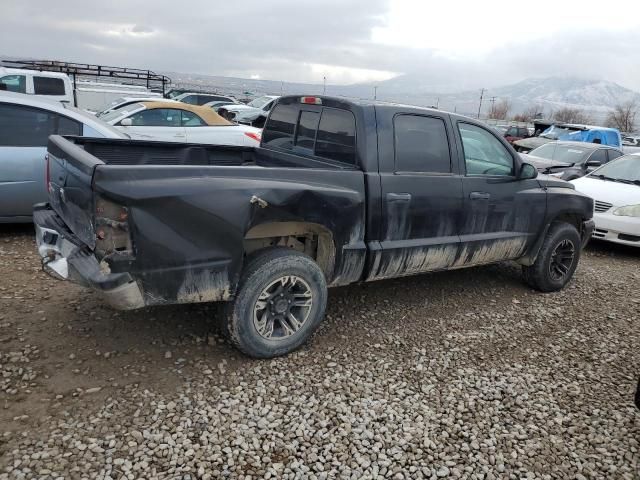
(553, 132)
(90, 118)
(562, 153)
(625, 168)
(259, 102)
(119, 112)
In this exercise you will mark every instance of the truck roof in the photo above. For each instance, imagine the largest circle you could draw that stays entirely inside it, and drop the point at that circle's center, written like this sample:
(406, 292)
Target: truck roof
(22, 71)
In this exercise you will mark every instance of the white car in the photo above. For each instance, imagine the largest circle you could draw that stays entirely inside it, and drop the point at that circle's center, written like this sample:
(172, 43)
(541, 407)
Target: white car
(254, 109)
(26, 121)
(615, 187)
(180, 122)
(51, 85)
(126, 101)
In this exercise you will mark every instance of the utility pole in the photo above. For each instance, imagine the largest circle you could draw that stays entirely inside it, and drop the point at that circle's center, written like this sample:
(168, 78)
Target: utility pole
(281, 88)
(480, 106)
(438, 103)
(493, 102)
(375, 92)
(324, 85)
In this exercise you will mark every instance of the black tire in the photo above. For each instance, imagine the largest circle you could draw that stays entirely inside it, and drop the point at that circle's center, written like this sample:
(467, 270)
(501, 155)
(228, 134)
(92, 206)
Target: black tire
(551, 270)
(266, 270)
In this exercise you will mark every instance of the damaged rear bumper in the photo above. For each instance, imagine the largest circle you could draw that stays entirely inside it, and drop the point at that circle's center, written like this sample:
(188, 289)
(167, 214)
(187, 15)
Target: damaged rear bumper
(64, 256)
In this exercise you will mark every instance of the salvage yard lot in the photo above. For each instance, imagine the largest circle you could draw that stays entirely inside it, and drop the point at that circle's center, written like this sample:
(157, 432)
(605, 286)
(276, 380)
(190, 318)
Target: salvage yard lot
(462, 374)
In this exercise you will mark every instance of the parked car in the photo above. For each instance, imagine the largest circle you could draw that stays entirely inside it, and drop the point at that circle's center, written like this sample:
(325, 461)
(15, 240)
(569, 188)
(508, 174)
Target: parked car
(514, 133)
(26, 121)
(180, 122)
(570, 160)
(52, 85)
(254, 110)
(571, 132)
(216, 104)
(631, 141)
(615, 187)
(126, 101)
(339, 191)
(195, 98)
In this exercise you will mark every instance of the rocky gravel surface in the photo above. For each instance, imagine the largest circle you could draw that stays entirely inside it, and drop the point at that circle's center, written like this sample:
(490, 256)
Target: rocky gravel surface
(464, 374)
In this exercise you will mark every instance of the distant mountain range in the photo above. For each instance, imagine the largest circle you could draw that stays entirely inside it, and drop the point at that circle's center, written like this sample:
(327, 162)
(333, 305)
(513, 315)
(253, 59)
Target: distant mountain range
(595, 96)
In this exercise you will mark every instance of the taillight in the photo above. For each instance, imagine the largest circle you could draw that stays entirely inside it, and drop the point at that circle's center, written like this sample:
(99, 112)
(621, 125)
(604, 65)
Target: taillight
(254, 135)
(112, 228)
(47, 175)
(311, 100)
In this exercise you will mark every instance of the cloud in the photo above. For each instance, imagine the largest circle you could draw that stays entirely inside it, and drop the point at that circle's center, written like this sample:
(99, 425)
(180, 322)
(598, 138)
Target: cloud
(442, 45)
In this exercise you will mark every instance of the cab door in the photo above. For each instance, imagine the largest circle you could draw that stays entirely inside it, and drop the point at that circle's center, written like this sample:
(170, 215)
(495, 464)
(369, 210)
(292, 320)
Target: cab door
(422, 204)
(502, 214)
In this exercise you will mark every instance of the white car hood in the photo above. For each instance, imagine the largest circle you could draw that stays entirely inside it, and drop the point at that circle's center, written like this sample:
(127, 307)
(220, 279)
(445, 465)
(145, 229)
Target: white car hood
(618, 194)
(238, 108)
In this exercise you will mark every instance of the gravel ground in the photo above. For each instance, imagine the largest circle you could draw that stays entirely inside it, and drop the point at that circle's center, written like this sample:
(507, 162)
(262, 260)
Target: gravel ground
(464, 374)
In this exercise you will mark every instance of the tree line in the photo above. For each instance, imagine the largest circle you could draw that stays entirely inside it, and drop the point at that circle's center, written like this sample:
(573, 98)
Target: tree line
(623, 116)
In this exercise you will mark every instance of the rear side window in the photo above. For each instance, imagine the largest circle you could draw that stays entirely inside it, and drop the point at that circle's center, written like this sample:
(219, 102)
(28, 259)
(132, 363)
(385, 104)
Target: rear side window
(329, 134)
(336, 137)
(190, 119)
(14, 83)
(66, 126)
(421, 144)
(599, 155)
(48, 86)
(190, 99)
(24, 126)
(613, 154)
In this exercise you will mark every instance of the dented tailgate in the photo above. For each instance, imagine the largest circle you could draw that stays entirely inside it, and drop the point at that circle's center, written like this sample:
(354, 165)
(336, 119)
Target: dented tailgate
(70, 173)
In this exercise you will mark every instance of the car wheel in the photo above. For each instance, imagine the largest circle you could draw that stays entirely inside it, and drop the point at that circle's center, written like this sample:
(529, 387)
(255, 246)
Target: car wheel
(557, 259)
(281, 299)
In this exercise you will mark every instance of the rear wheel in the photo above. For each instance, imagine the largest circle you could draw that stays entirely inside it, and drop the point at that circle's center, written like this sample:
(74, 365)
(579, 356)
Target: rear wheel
(557, 259)
(281, 300)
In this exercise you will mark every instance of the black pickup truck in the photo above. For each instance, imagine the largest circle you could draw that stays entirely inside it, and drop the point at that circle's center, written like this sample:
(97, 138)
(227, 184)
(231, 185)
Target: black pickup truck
(339, 192)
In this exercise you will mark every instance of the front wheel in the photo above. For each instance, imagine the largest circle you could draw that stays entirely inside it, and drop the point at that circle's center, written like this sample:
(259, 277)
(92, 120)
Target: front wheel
(281, 299)
(557, 259)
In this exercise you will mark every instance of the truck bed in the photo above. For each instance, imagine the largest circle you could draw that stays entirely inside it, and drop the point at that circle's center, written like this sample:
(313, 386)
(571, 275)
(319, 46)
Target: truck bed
(142, 152)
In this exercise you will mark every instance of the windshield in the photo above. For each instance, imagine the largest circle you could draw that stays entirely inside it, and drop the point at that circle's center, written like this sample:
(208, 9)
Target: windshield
(562, 153)
(119, 112)
(553, 132)
(259, 102)
(623, 168)
(90, 118)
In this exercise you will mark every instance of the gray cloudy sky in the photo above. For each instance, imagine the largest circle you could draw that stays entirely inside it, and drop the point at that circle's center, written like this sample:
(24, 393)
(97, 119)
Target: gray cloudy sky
(455, 44)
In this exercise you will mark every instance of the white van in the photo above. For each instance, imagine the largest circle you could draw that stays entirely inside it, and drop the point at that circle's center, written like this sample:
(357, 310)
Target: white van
(53, 85)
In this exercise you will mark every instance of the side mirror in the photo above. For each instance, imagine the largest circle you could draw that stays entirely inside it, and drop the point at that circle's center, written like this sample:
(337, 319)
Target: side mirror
(527, 172)
(593, 163)
(126, 122)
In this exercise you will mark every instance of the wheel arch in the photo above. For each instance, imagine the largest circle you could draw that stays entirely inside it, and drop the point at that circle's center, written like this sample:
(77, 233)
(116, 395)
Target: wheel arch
(312, 239)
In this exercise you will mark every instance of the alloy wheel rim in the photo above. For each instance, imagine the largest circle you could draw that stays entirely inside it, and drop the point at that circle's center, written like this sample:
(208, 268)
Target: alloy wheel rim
(562, 260)
(282, 308)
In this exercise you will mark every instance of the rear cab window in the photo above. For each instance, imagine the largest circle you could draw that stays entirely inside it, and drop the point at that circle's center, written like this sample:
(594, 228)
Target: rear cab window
(48, 86)
(316, 131)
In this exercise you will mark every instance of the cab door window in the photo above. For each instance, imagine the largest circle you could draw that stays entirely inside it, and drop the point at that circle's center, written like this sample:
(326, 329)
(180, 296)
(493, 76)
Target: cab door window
(484, 154)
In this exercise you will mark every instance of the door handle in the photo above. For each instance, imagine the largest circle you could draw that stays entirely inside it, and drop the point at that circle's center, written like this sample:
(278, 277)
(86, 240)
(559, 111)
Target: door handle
(398, 197)
(479, 196)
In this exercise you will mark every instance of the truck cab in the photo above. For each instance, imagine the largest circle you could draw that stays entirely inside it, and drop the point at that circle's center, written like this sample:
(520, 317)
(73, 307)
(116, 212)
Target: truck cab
(52, 85)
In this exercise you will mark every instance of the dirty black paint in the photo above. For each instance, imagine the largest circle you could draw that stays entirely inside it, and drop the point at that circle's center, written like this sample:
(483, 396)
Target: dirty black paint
(191, 206)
